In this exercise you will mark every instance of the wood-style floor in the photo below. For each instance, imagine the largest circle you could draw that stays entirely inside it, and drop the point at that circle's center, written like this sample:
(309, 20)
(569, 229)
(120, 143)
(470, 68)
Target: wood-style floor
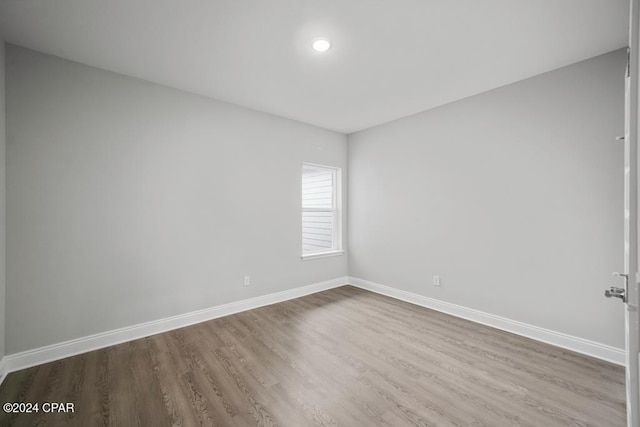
(341, 357)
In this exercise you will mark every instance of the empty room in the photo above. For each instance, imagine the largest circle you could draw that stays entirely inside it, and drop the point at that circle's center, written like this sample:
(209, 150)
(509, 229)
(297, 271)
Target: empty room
(302, 212)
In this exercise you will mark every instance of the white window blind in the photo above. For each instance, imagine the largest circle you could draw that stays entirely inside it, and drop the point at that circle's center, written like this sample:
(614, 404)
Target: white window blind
(320, 216)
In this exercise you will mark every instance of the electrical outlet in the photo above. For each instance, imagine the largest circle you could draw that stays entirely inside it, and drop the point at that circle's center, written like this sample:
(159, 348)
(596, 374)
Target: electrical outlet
(247, 280)
(436, 280)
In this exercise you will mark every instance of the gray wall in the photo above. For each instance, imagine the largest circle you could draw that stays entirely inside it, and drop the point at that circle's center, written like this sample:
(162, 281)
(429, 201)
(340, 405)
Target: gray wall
(513, 196)
(129, 202)
(2, 200)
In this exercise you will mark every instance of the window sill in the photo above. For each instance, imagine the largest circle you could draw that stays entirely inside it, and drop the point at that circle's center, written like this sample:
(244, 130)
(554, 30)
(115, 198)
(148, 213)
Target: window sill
(322, 254)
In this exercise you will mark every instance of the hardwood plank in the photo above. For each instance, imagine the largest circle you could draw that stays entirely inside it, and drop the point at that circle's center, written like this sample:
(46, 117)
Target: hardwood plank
(340, 357)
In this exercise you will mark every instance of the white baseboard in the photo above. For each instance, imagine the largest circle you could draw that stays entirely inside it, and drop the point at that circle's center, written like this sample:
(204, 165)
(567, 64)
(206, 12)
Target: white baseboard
(26, 359)
(3, 369)
(579, 345)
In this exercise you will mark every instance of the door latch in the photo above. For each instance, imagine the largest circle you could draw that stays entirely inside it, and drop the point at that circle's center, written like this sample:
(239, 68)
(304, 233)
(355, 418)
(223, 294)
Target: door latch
(616, 293)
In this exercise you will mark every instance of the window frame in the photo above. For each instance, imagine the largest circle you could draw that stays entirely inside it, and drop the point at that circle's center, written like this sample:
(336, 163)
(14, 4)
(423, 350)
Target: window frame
(336, 211)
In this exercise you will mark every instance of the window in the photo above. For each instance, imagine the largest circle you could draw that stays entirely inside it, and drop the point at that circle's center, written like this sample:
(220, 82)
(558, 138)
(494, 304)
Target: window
(321, 218)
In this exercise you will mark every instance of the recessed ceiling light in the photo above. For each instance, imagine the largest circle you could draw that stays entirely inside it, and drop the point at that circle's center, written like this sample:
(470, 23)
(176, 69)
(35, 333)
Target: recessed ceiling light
(321, 45)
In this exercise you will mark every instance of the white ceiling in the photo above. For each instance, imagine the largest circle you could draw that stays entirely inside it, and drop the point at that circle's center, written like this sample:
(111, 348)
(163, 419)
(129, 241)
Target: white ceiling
(390, 58)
